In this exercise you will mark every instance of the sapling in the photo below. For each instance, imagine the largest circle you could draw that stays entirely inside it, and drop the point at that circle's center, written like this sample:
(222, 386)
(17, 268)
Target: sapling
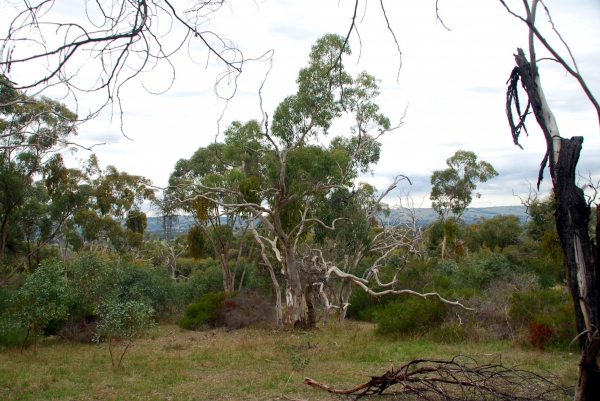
(122, 321)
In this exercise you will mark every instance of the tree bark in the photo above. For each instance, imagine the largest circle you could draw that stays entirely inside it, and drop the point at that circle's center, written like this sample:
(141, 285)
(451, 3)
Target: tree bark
(572, 218)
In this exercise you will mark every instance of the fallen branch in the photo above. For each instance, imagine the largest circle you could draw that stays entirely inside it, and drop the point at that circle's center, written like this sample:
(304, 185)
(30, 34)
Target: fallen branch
(461, 378)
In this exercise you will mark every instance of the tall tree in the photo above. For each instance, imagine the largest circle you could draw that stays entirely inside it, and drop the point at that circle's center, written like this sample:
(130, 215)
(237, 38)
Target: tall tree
(32, 211)
(453, 188)
(285, 171)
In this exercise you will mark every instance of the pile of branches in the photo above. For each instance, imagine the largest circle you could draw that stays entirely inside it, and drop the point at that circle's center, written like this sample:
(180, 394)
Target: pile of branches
(461, 378)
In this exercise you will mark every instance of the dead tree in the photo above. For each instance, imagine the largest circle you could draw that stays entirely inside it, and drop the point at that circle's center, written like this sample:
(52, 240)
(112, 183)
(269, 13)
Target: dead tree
(572, 211)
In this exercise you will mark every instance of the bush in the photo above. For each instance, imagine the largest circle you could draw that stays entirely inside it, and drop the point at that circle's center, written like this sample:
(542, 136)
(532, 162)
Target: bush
(202, 312)
(9, 335)
(43, 299)
(413, 315)
(550, 307)
(153, 287)
(209, 279)
(364, 306)
(479, 270)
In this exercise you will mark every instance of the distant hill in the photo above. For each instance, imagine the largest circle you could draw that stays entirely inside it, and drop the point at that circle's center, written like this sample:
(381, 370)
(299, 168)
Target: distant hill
(181, 224)
(427, 215)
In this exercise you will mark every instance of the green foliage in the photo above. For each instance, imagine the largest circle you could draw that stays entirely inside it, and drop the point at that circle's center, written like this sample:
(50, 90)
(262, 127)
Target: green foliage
(136, 221)
(452, 188)
(207, 279)
(92, 279)
(412, 315)
(499, 232)
(551, 307)
(43, 298)
(9, 334)
(152, 287)
(364, 306)
(481, 268)
(123, 320)
(196, 241)
(203, 311)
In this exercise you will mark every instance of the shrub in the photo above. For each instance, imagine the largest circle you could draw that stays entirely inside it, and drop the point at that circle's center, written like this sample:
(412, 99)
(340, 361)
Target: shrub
(413, 315)
(202, 312)
(209, 279)
(550, 307)
(43, 298)
(479, 270)
(447, 267)
(153, 287)
(9, 335)
(364, 306)
(539, 335)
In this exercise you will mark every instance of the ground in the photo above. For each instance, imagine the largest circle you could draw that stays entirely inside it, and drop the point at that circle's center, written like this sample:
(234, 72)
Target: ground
(247, 364)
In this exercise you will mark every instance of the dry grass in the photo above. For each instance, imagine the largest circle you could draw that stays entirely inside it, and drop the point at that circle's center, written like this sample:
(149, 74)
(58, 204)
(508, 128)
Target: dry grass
(248, 364)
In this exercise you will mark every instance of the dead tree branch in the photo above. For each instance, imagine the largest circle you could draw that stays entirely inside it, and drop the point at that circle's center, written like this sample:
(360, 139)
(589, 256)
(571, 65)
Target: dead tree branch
(461, 378)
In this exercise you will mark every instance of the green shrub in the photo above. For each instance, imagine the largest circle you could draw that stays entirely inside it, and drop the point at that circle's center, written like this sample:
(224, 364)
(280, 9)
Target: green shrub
(479, 270)
(551, 307)
(447, 267)
(153, 287)
(202, 312)
(363, 306)
(201, 282)
(44, 298)
(410, 316)
(9, 335)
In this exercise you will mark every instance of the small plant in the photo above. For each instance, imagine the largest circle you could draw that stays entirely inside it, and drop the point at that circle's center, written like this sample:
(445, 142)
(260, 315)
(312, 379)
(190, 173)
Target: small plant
(123, 321)
(299, 364)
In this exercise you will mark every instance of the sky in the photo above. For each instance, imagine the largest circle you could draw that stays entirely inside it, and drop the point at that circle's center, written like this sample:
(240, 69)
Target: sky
(451, 84)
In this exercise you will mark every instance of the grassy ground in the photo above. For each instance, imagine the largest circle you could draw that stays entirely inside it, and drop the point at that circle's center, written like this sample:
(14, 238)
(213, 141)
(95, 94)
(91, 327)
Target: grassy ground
(249, 364)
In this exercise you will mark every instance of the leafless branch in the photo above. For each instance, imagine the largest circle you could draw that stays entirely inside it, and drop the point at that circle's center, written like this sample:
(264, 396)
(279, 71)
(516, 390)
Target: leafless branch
(437, 15)
(460, 378)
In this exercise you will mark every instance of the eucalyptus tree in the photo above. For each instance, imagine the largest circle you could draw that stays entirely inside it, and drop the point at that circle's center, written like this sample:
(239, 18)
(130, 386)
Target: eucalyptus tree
(214, 225)
(452, 188)
(33, 210)
(283, 171)
(112, 216)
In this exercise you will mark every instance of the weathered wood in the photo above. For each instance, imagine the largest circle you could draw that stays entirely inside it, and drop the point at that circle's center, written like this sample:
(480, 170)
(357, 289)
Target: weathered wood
(572, 217)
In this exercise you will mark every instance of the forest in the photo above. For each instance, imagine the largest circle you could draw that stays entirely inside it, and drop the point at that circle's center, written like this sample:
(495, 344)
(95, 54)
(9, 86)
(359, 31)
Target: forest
(285, 240)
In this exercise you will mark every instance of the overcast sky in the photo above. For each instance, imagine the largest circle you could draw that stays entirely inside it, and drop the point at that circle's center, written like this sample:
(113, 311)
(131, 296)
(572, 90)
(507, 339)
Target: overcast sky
(452, 81)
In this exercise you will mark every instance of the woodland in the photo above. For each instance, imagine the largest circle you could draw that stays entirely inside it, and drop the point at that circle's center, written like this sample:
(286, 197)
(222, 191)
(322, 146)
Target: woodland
(286, 239)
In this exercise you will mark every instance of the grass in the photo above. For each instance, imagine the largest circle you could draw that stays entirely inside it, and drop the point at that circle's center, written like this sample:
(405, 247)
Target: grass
(248, 364)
